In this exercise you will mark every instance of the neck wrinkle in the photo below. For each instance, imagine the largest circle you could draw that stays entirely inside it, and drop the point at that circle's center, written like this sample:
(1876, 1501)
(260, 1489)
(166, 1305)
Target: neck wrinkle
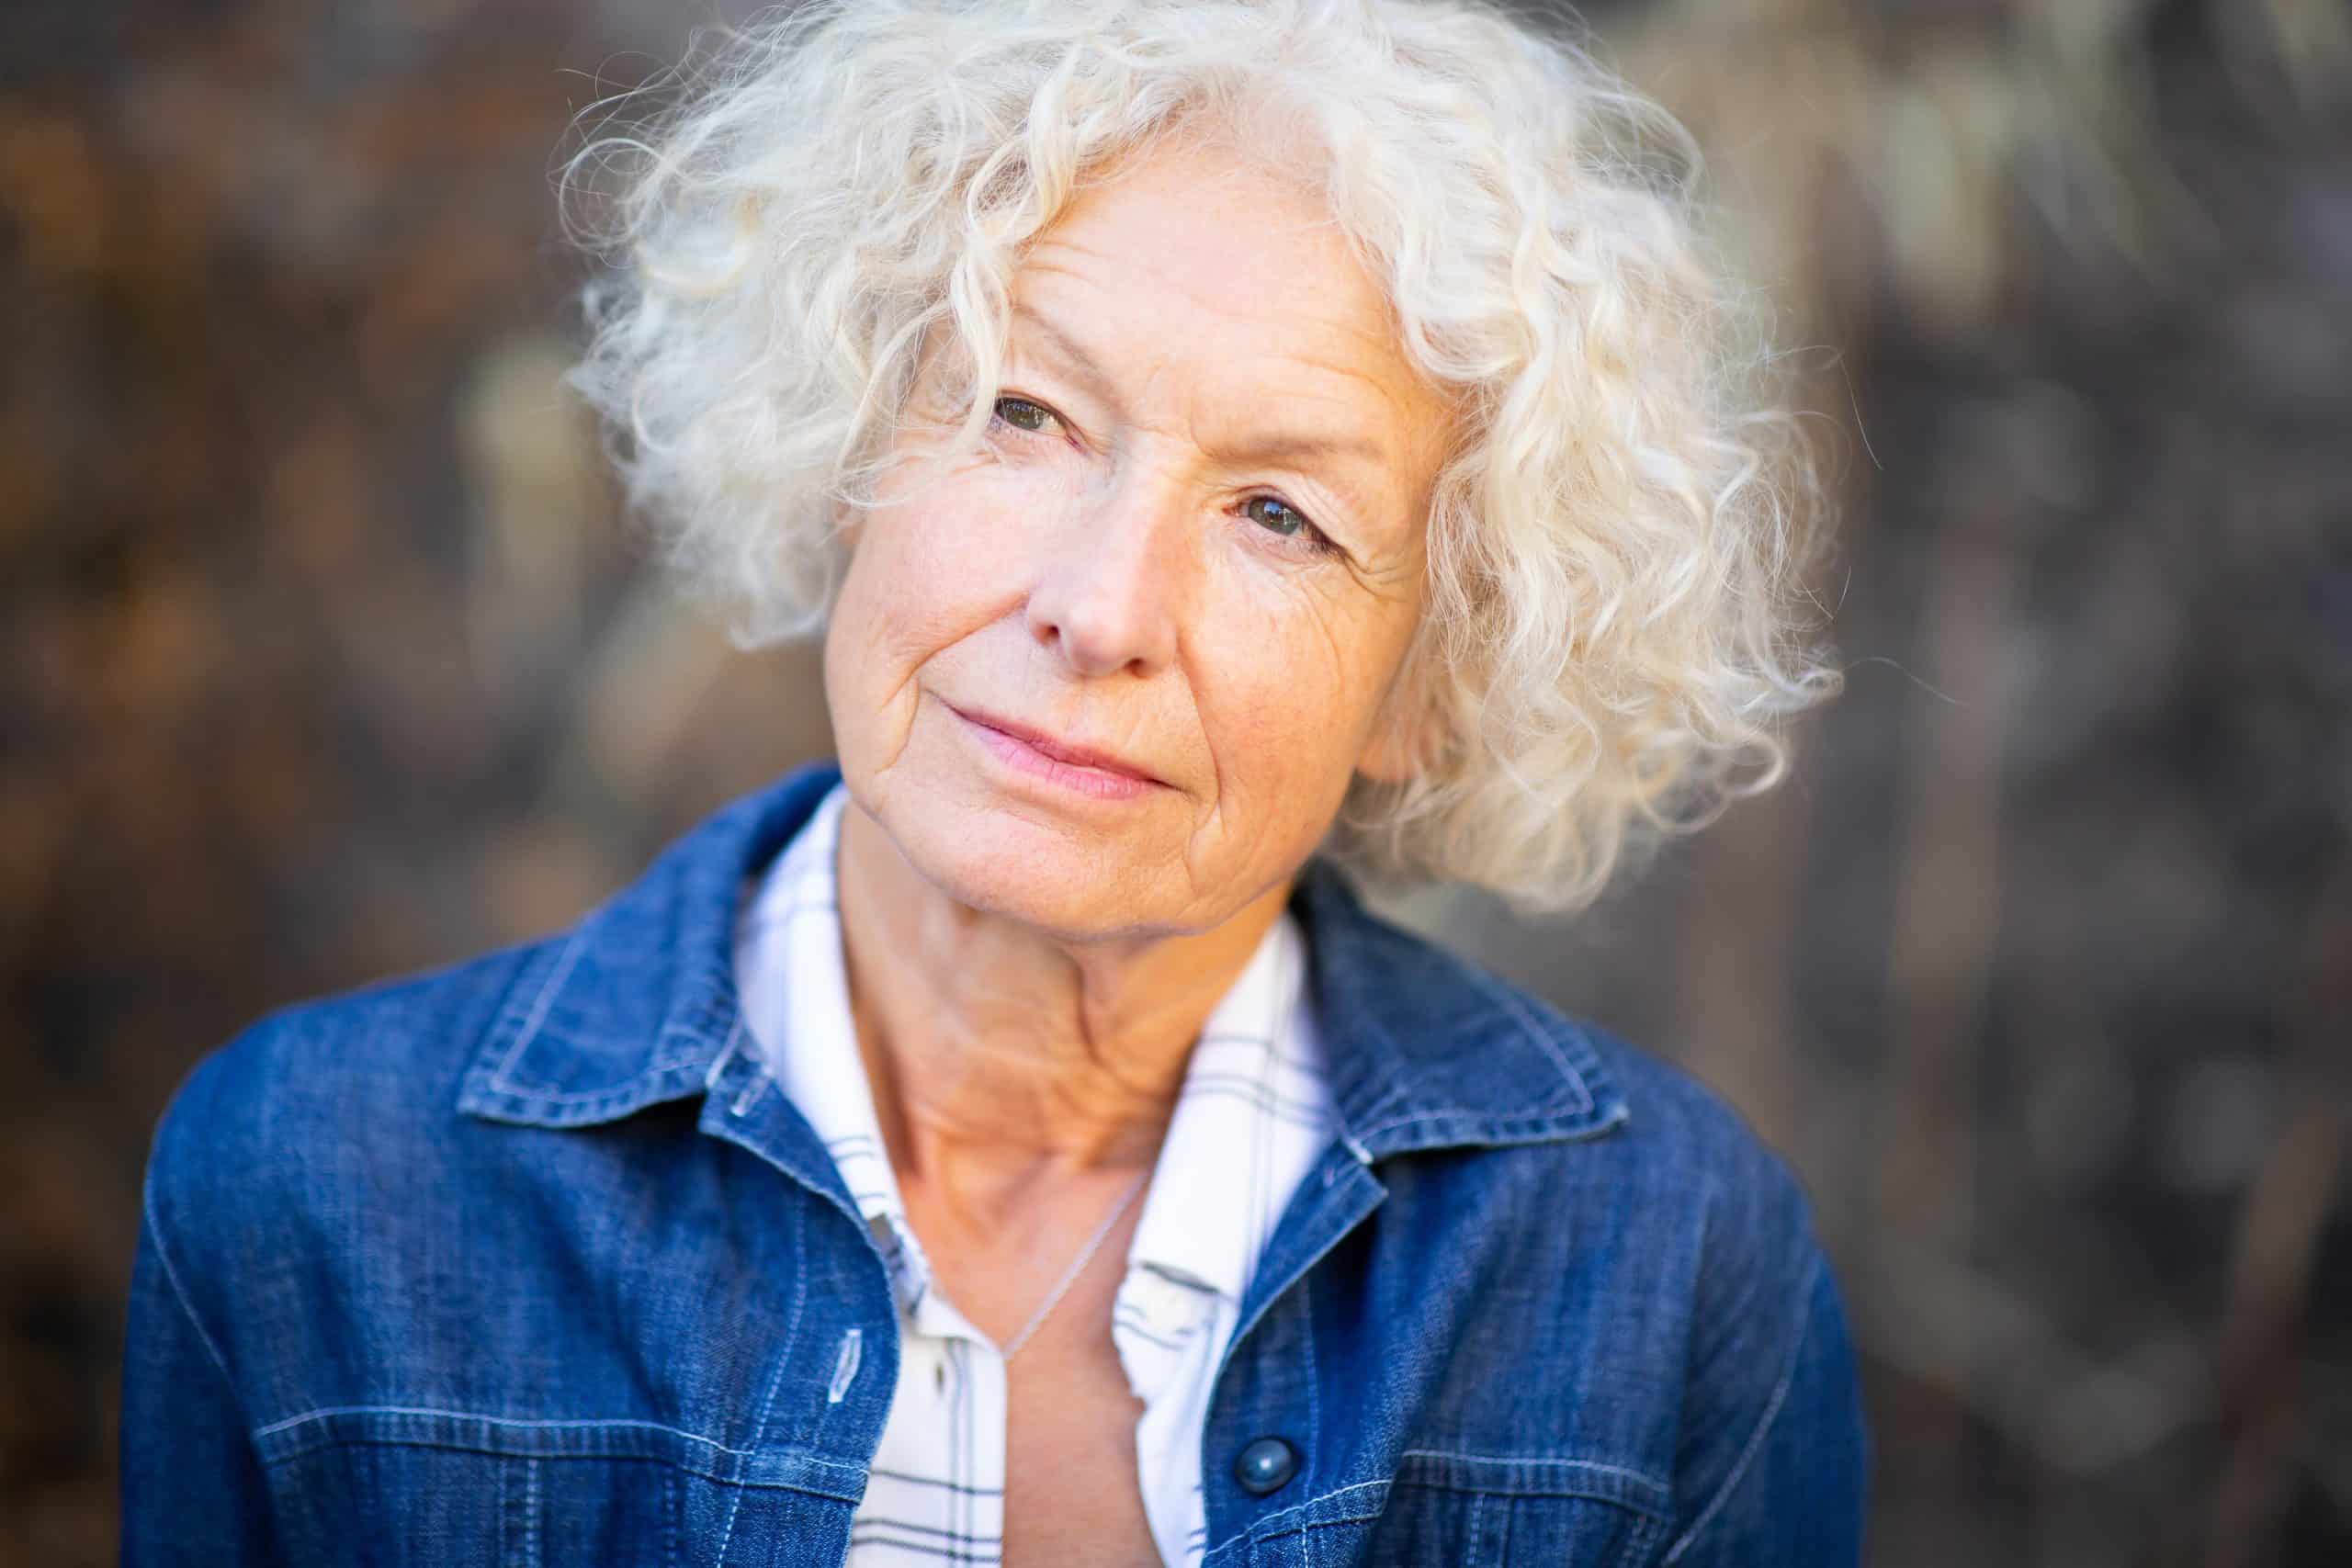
(998, 1054)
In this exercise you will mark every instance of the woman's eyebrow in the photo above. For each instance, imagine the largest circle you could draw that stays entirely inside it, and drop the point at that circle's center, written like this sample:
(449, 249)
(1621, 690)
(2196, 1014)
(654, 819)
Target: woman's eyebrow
(1070, 349)
(1289, 446)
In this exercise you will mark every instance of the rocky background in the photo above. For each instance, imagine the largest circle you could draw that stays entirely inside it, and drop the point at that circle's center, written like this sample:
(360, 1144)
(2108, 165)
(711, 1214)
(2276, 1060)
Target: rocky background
(324, 654)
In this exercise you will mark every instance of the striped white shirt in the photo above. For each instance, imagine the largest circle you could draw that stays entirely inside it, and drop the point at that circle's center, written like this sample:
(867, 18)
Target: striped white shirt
(1253, 1114)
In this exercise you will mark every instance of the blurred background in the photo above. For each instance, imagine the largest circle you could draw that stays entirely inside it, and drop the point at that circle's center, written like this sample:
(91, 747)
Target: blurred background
(325, 654)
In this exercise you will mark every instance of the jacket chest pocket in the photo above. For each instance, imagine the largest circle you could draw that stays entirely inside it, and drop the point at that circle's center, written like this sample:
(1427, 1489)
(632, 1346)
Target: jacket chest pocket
(1485, 1530)
(407, 1489)
(1501, 1513)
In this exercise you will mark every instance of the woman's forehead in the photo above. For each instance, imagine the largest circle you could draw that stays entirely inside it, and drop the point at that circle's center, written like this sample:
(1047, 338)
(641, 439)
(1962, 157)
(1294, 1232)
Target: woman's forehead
(1192, 229)
(1195, 262)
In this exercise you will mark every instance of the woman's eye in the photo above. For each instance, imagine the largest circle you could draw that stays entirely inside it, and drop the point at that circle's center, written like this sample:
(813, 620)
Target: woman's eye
(1022, 414)
(1277, 515)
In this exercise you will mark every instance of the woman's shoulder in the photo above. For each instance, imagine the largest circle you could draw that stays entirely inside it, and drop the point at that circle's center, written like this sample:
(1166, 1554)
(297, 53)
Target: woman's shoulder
(1632, 1213)
(1682, 1132)
(333, 1090)
(1682, 1167)
(1602, 1159)
(1473, 1058)
(355, 1094)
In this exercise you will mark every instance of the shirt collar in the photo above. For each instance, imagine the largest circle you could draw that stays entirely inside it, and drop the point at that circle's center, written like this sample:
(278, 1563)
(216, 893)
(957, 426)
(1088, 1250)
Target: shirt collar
(1256, 1072)
(637, 1005)
(794, 985)
(1255, 1111)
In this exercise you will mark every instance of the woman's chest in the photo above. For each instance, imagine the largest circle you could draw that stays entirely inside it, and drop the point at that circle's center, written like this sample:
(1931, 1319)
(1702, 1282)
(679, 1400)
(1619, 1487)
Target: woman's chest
(1031, 1463)
(1073, 1489)
(728, 1405)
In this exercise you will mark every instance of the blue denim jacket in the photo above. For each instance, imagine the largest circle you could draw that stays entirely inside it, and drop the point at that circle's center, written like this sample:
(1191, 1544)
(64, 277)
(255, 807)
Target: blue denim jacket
(523, 1261)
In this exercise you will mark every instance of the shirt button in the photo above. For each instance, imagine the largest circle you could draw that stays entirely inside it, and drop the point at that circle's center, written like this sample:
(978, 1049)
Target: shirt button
(1265, 1465)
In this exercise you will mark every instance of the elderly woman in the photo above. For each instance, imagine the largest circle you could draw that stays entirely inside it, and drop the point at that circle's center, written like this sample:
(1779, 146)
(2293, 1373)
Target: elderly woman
(1207, 432)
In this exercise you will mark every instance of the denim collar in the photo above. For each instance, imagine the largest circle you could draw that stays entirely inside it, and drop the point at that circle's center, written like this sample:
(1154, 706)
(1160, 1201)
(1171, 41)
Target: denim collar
(637, 1006)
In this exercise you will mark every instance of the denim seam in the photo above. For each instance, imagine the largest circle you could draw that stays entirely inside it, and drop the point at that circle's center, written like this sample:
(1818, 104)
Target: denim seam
(1763, 1423)
(1496, 1127)
(669, 1520)
(775, 1380)
(1542, 1038)
(554, 1096)
(1579, 1099)
(1314, 1384)
(1650, 1481)
(1389, 1097)
(327, 1411)
(171, 1278)
(536, 1019)
(1272, 1524)
(840, 1479)
(827, 1478)
(1314, 1393)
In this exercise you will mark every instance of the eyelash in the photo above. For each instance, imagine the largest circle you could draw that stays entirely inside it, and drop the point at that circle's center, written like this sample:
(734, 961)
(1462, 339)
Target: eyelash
(1308, 540)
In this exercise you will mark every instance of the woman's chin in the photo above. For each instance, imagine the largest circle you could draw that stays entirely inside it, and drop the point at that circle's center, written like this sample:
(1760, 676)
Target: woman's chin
(1072, 885)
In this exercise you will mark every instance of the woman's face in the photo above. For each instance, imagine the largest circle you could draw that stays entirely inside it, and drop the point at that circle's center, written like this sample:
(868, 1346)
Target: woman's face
(1192, 545)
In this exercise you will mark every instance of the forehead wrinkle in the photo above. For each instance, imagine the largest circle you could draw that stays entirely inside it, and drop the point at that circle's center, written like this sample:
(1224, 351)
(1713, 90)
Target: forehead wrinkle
(1068, 348)
(1385, 447)
(1378, 345)
(1349, 441)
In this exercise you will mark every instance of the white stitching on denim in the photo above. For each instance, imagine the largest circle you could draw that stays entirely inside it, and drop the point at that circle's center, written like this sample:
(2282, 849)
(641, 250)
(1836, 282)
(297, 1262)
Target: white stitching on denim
(775, 1380)
(1496, 1126)
(329, 1411)
(1542, 1036)
(616, 1093)
(1271, 1525)
(1583, 1100)
(1648, 1483)
(537, 1017)
(1532, 1459)
(1763, 1422)
(1313, 1383)
(171, 1278)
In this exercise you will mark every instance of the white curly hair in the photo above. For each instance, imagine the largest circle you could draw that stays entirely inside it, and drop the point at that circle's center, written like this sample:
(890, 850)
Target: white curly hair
(1615, 631)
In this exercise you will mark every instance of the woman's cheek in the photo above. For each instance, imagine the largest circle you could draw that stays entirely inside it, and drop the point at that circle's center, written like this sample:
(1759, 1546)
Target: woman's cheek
(939, 576)
(1280, 695)
(974, 534)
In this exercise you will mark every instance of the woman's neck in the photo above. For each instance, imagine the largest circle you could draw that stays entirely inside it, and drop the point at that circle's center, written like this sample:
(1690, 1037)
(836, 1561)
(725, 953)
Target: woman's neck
(999, 1056)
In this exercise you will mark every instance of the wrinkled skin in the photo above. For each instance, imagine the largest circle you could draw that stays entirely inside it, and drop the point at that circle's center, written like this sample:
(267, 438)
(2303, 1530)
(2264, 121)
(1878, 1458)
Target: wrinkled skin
(1132, 565)
(1105, 569)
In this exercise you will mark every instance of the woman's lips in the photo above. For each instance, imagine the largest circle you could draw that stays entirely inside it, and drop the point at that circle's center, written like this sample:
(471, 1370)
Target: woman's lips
(1030, 752)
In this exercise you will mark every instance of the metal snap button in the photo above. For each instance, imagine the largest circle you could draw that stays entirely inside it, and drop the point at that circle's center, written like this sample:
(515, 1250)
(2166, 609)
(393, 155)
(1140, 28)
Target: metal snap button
(1265, 1465)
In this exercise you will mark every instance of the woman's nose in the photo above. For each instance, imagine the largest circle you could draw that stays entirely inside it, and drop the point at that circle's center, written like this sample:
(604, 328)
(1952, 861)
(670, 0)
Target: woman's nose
(1112, 591)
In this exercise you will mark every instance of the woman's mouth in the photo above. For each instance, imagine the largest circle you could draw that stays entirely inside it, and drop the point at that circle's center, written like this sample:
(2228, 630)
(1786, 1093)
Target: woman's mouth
(1098, 774)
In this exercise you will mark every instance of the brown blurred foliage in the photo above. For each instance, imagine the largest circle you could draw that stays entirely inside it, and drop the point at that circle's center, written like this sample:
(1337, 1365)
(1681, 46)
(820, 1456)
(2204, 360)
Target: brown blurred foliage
(326, 656)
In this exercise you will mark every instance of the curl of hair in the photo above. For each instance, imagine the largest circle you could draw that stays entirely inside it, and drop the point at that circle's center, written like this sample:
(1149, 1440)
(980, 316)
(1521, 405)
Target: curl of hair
(1612, 637)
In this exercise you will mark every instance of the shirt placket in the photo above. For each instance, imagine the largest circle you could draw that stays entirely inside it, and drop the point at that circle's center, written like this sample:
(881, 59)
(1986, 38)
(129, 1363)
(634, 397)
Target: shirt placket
(952, 1375)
